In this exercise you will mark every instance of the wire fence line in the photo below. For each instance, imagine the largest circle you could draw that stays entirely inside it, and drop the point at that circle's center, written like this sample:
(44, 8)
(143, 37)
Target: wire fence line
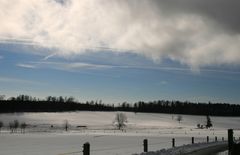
(103, 149)
(115, 148)
(152, 144)
(69, 153)
(187, 141)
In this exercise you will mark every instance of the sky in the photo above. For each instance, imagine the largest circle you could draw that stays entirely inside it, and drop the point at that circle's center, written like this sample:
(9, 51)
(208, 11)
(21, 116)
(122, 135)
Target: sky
(116, 51)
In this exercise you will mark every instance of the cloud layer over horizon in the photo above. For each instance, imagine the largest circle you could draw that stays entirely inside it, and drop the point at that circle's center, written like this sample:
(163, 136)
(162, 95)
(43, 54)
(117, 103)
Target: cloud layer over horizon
(195, 33)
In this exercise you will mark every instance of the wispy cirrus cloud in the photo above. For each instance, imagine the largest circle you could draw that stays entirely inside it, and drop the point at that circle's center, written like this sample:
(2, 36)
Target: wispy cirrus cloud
(66, 66)
(78, 66)
(18, 80)
(25, 65)
(195, 33)
(11, 40)
(162, 83)
(49, 56)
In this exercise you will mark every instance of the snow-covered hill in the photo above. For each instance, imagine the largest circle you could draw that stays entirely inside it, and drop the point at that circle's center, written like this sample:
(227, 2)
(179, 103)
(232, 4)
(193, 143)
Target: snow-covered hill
(159, 129)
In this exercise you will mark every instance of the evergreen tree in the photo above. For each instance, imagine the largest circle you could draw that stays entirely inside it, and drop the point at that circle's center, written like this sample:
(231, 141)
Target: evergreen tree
(1, 125)
(209, 122)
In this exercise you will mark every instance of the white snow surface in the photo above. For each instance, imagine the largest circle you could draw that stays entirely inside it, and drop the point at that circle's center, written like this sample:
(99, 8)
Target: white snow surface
(42, 139)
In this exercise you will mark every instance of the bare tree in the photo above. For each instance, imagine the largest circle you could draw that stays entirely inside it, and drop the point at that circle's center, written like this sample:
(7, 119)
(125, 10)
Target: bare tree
(23, 127)
(11, 127)
(1, 125)
(179, 118)
(66, 125)
(2, 97)
(120, 120)
(15, 125)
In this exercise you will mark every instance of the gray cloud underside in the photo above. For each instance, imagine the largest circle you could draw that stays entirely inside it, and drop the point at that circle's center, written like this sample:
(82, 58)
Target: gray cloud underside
(193, 32)
(224, 13)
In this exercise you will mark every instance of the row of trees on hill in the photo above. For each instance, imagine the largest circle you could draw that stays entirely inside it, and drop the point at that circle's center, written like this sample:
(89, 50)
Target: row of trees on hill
(119, 121)
(178, 107)
(26, 103)
(13, 126)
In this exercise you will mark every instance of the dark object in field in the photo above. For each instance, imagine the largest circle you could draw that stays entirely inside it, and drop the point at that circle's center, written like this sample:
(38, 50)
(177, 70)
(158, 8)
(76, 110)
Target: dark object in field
(81, 126)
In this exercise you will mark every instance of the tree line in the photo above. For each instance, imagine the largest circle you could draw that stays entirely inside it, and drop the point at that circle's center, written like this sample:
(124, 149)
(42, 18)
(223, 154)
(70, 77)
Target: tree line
(26, 103)
(13, 126)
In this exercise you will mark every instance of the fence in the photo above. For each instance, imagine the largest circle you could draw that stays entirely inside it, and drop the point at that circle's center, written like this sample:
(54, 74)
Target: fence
(145, 146)
(233, 146)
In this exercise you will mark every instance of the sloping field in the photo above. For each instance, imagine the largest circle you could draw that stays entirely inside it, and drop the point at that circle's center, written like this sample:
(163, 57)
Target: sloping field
(40, 138)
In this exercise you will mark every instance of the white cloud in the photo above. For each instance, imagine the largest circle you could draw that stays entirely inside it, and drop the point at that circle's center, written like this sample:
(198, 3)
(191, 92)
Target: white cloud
(66, 66)
(49, 56)
(17, 80)
(138, 26)
(26, 65)
(78, 66)
(163, 83)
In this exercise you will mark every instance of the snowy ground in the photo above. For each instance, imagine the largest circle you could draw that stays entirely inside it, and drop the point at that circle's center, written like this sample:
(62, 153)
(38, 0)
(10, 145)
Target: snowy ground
(192, 149)
(40, 138)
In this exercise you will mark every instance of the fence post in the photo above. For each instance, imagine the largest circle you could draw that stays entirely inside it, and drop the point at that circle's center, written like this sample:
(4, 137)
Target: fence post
(230, 140)
(86, 149)
(192, 140)
(216, 139)
(222, 138)
(173, 142)
(207, 139)
(145, 145)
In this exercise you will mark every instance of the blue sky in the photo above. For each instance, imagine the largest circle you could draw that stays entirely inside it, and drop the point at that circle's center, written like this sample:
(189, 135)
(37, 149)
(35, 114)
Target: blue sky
(119, 51)
(113, 78)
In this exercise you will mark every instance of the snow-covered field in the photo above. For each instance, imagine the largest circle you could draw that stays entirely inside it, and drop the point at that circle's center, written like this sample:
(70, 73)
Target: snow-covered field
(193, 149)
(42, 139)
